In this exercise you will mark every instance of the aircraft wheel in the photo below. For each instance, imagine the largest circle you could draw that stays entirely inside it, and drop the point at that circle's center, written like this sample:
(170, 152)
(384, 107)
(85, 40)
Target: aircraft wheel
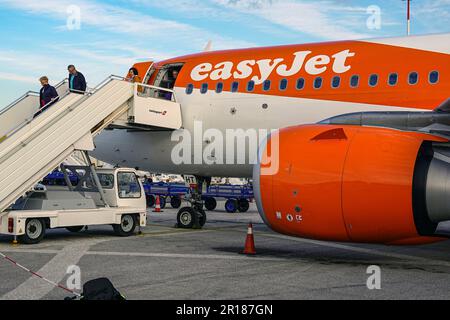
(202, 218)
(185, 218)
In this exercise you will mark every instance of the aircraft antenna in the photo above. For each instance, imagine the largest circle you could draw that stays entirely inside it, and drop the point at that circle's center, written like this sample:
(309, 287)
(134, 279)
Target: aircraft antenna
(408, 16)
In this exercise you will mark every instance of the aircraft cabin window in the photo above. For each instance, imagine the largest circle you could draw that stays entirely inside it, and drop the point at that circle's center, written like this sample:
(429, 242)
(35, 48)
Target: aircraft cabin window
(251, 86)
(300, 84)
(354, 81)
(336, 82)
(190, 89)
(283, 84)
(393, 79)
(434, 77)
(235, 87)
(219, 87)
(204, 88)
(373, 80)
(318, 83)
(413, 78)
(267, 85)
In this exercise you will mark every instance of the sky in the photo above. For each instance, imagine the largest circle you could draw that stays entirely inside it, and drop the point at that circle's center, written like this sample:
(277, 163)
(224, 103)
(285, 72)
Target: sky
(104, 37)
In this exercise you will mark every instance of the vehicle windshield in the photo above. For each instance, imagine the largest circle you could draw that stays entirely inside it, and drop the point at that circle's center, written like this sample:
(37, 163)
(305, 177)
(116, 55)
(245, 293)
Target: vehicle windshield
(128, 185)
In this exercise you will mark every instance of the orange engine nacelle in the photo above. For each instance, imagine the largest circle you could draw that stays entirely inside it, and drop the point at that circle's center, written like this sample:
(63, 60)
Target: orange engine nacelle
(347, 183)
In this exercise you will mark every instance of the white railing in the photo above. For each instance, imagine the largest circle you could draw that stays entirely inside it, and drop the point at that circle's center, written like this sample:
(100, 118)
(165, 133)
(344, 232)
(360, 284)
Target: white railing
(153, 92)
(88, 93)
(11, 105)
(149, 91)
(28, 94)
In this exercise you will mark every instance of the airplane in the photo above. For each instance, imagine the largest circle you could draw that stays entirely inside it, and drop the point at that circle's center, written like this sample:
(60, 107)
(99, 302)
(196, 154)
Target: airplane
(361, 132)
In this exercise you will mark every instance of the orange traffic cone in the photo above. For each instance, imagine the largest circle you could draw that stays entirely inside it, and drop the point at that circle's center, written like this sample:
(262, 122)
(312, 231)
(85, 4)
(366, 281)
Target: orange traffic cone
(250, 242)
(158, 205)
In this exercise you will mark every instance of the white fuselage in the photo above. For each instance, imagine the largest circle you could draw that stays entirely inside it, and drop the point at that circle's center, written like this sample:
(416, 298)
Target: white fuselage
(152, 151)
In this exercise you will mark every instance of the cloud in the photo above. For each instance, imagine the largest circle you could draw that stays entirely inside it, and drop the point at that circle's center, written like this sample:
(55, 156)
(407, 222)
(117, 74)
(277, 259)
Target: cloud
(28, 67)
(129, 22)
(313, 18)
(18, 78)
(104, 16)
(432, 8)
(110, 41)
(192, 8)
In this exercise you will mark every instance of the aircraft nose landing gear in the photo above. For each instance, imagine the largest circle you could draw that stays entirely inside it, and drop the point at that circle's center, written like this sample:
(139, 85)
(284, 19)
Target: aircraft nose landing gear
(193, 217)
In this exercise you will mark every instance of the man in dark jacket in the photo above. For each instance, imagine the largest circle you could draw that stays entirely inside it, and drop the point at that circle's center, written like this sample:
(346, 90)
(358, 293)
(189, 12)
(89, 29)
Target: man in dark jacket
(47, 96)
(77, 82)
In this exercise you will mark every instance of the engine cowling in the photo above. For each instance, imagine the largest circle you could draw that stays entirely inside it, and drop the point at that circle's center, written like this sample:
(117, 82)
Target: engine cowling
(353, 184)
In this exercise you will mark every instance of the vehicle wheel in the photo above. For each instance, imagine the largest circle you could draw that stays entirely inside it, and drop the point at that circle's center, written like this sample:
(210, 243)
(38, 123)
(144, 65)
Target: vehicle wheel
(243, 205)
(231, 206)
(163, 202)
(175, 202)
(75, 229)
(126, 227)
(203, 218)
(34, 231)
(150, 201)
(185, 218)
(210, 204)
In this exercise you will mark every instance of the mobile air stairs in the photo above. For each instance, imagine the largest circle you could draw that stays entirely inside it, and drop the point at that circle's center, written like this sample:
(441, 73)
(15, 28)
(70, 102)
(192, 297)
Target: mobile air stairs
(31, 147)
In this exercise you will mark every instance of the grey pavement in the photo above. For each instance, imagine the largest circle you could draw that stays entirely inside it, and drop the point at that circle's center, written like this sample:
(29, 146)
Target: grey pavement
(170, 263)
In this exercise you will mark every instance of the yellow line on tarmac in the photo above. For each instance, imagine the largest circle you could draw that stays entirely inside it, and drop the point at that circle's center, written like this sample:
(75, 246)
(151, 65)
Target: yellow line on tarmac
(170, 233)
(182, 256)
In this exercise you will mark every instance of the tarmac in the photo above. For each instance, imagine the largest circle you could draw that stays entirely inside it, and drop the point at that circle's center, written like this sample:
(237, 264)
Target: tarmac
(166, 263)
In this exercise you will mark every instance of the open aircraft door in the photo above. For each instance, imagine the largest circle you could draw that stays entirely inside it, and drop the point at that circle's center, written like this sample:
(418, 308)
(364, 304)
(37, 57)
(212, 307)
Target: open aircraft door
(155, 104)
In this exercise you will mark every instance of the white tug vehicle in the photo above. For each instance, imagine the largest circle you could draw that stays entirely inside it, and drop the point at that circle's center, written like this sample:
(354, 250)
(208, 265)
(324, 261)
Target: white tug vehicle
(105, 197)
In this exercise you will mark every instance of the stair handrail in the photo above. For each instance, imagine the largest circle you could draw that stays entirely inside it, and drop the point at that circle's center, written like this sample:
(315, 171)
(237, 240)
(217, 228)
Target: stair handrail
(137, 85)
(88, 93)
(105, 82)
(28, 94)
(18, 100)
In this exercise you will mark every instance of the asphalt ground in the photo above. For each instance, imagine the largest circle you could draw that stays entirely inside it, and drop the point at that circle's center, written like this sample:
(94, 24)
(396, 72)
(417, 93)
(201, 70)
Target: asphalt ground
(169, 263)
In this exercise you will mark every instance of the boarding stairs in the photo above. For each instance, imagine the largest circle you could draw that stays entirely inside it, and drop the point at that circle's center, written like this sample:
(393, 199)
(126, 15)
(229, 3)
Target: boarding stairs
(31, 147)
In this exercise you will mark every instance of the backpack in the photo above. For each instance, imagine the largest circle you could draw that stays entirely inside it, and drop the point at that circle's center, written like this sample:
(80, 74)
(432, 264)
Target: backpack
(101, 289)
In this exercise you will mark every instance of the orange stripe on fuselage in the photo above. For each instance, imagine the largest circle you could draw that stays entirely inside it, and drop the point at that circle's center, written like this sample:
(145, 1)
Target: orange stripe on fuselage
(368, 59)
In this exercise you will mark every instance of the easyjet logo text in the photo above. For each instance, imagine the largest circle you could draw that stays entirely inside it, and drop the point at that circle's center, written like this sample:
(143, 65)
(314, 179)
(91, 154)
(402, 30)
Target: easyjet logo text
(261, 70)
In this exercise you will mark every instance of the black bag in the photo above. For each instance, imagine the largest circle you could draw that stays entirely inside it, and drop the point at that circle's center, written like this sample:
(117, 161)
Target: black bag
(101, 289)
